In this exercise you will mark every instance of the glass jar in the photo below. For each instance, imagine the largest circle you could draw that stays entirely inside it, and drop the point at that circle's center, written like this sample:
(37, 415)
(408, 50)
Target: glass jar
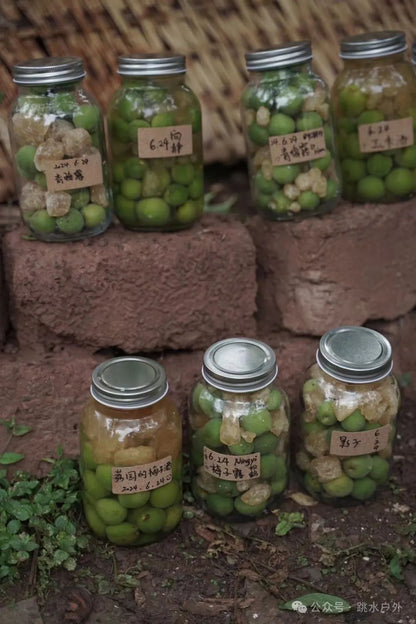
(59, 149)
(374, 117)
(288, 133)
(131, 462)
(239, 421)
(347, 428)
(156, 145)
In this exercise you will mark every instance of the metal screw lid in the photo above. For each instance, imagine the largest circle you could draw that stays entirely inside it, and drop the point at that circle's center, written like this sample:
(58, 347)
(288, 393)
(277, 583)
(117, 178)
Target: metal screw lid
(239, 365)
(355, 355)
(49, 70)
(284, 55)
(151, 65)
(373, 44)
(128, 382)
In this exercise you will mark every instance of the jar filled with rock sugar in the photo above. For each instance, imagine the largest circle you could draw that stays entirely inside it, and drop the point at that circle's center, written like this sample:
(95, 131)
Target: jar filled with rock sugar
(59, 150)
(348, 424)
(239, 429)
(287, 126)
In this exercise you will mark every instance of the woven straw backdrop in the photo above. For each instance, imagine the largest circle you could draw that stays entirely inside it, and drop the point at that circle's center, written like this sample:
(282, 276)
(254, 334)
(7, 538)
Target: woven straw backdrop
(214, 34)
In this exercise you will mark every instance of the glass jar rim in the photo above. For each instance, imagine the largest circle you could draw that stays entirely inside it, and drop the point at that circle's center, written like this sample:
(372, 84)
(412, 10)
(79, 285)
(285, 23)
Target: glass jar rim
(49, 70)
(373, 44)
(239, 365)
(129, 382)
(152, 64)
(356, 355)
(291, 53)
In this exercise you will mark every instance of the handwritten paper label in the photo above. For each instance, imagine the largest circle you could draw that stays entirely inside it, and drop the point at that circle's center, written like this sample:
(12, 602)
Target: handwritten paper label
(164, 142)
(297, 147)
(73, 173)
(384, 135)
(359, 442)
(232, 467)
(132, 479)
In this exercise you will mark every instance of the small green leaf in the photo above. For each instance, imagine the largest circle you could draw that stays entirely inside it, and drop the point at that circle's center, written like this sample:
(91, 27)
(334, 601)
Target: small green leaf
(288, 521)
(21, 430)
(13, 526)
(59, 556)
(396, 567)
(326, 603)
(21, 511)
(10, 458)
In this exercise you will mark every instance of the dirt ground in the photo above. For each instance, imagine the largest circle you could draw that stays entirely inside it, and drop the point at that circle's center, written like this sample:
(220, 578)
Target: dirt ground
(213, 573)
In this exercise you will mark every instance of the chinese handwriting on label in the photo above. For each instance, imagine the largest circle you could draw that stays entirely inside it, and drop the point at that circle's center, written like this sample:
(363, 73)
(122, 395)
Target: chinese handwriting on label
(132, 479)
(73, 173)
(65, 173)
(384, 135)
(297, 147)
(360, 442)
(232, 467)
(164, 142)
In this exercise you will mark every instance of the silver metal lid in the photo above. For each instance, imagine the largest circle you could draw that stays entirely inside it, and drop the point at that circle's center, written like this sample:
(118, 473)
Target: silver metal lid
(49, 70)
(284, 55)
(239, 365)
(151, 65)
(129, 382)
(373, 44)
(355, 354)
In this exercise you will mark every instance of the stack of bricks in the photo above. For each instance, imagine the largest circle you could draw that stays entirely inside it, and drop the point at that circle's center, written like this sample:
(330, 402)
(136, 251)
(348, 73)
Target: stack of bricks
(66, 307)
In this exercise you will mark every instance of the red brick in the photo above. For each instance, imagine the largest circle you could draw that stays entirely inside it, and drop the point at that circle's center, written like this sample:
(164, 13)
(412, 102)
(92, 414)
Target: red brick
(47, 392)
(345, 268)
(138, 292)
(4, 319)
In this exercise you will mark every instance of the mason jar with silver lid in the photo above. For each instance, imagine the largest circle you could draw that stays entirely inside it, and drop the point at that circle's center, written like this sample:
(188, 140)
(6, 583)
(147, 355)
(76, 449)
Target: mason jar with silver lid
(59, 149)
(288, 132)
(131, 453)
(348, 424)
(239, 420)
(375, 118)
(156, 145)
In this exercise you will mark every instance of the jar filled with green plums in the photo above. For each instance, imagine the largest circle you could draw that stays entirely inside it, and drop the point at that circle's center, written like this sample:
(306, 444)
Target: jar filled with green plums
(286, 118)
(59, 150)
(155, 132)
(239, 427)
(131, 453)
(375, 118)
(347, 428)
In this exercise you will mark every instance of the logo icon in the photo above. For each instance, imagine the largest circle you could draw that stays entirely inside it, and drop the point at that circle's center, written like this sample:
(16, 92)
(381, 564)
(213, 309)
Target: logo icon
(298, 606)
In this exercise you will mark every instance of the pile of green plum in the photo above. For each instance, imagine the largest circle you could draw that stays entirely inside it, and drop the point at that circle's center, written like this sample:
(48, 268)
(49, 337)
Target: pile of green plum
(380, 94)
(48, 125)
(282, 102)
(331, 405)
(128, 519)
(155, 193)
(233, 425)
